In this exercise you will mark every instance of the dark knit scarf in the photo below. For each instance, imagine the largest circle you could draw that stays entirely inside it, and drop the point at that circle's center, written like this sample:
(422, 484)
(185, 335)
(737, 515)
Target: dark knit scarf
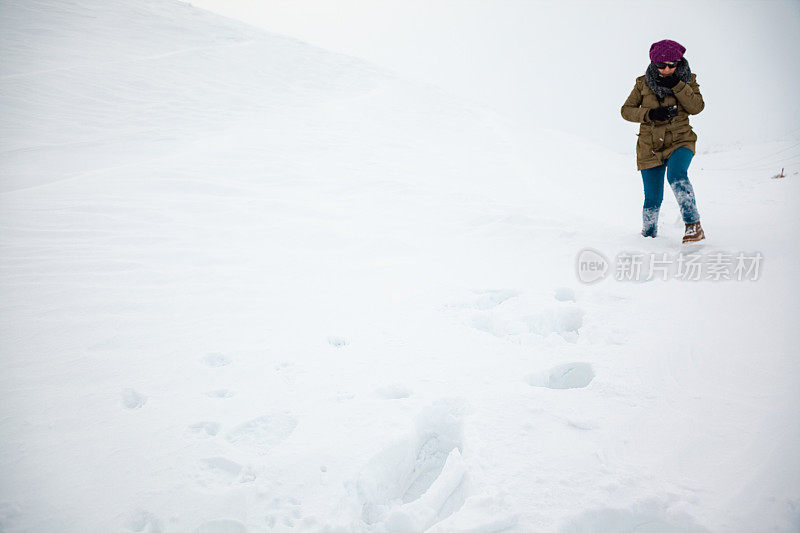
(683, 72)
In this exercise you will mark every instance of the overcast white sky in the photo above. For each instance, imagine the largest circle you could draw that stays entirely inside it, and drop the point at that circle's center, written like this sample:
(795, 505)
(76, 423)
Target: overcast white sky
(566, 65)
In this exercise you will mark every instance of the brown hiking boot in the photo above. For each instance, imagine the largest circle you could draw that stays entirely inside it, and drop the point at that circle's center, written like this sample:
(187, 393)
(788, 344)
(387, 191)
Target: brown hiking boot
(694, 233)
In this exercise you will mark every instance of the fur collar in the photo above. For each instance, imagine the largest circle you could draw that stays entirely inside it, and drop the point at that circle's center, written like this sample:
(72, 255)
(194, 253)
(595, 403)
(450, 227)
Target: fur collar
(683, 72)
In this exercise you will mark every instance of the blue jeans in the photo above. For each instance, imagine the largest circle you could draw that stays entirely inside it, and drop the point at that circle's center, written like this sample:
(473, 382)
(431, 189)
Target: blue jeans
(676, 167)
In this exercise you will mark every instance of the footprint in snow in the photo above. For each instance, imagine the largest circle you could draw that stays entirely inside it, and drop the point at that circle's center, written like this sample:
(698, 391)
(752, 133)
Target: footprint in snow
(284, 366)
(204, 429)
(565, 376)
(337, 342)
(564, 321)
(489, 299)
(284, 512)
(260, 434)
(420, 480)
(220, 393)
(216, 359)
(484, 299)
(132, 399)
(217, 473)
(647, 517)
(141, 521)
(395, 391)
(343, 396)
(564, 294)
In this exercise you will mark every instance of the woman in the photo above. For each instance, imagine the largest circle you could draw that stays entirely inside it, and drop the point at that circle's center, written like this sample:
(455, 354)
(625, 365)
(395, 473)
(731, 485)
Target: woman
(661, 101)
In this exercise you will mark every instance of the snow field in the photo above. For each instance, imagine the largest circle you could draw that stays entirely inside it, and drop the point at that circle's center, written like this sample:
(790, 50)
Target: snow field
(251, 285)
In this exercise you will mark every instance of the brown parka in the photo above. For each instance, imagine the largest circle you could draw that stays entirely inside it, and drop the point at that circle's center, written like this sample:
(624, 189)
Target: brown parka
(657, 140)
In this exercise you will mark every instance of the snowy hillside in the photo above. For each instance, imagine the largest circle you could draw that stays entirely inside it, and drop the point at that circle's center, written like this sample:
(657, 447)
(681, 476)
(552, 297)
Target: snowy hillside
(566, 64)
(250, 285)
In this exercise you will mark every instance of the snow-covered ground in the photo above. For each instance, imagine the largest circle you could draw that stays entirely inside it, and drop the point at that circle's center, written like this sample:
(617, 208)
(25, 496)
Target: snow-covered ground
(250, 285)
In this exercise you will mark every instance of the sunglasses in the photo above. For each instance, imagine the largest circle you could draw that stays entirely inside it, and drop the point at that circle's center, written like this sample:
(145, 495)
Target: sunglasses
(668, 64)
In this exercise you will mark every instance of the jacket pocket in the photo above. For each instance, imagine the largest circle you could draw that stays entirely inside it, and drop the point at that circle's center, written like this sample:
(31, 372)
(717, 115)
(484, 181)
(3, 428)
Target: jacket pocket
(644, 143)
(644, 149)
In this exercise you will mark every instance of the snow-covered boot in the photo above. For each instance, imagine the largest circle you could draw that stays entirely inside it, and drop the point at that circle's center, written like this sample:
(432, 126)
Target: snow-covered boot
(650, 221)
(693, 233)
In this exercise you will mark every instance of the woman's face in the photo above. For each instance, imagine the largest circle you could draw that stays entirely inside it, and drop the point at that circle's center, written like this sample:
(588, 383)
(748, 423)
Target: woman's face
(667, 69)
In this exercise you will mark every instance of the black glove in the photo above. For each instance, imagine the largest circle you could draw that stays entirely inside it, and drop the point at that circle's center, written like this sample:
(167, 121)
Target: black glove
(668, 81)
(659, 113)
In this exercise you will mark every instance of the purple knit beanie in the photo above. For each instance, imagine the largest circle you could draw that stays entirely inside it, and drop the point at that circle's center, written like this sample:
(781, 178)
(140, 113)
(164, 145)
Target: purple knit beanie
(666, 50)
